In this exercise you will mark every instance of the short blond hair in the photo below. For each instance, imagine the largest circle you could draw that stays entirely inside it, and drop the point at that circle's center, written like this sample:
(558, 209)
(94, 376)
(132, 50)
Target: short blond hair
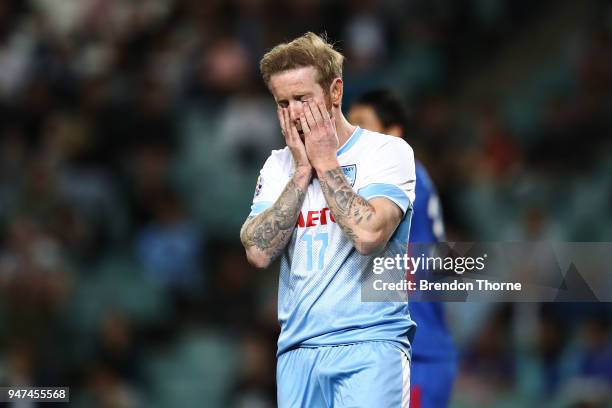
(309, 50)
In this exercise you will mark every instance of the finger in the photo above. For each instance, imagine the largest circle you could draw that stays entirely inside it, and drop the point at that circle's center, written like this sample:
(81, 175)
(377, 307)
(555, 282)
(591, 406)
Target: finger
(326, 118)
(292, 132)
(308, 116)
(304, 123)
(313, 108)
(285, 124)
(281, 119)
(295, 135)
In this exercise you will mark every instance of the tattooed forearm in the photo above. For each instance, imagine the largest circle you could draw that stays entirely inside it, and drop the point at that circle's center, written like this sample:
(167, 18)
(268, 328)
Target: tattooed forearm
(349, 209)
(338, 189)
(270, 231)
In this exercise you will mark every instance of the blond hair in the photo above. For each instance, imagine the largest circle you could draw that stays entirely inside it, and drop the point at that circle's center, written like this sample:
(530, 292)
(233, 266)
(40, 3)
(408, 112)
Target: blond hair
(309, 50)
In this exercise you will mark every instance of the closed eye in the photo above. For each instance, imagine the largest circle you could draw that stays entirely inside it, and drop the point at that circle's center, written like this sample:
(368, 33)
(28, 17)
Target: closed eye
(283, 103)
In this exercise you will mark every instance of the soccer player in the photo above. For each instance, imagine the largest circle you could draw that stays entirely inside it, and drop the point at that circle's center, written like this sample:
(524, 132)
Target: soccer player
(327, 203)
(433, 356)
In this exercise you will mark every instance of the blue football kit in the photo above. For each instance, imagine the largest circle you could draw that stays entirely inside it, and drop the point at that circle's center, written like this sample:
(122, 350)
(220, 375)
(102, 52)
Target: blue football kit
(434, 366)
(334, 349)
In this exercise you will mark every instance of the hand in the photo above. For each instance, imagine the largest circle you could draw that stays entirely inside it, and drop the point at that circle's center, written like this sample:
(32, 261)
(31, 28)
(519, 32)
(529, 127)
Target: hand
(320, 136)
(293, 141)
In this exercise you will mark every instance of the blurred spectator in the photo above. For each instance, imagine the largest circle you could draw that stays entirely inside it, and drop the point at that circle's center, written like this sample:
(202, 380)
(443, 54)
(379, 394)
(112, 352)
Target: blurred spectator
(596, 355)
(170, 246)
(117, 348)
(256, 386)
(233, 298)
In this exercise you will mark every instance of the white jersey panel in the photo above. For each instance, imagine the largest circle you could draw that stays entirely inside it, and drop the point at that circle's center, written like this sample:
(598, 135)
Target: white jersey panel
(319, 297)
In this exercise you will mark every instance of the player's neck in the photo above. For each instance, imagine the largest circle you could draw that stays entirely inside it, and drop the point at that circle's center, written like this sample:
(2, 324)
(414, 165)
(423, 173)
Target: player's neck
(344, 129)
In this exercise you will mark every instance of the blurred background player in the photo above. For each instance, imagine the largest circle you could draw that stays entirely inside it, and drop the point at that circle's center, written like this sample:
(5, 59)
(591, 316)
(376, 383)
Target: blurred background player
(434, 357)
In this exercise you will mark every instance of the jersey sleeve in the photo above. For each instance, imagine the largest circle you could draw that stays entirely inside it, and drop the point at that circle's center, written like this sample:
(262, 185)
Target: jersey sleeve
(269, 186)
(391, 174)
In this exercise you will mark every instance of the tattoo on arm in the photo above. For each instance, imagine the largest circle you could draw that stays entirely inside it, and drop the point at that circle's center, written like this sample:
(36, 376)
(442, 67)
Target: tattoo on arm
(349, 208)
(270, 231)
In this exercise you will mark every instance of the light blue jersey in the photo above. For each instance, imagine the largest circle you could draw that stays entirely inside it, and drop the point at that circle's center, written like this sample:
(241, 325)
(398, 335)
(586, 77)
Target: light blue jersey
(319, 297)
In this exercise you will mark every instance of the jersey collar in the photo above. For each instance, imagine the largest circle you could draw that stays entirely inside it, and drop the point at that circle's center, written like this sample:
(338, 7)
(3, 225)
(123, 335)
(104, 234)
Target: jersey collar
(351, 141)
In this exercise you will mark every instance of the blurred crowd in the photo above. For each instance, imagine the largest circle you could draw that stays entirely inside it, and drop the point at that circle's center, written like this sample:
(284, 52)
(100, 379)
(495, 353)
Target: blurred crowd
(131, 136)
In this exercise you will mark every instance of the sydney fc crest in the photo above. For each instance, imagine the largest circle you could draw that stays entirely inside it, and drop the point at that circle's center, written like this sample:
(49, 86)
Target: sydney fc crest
(350, 172)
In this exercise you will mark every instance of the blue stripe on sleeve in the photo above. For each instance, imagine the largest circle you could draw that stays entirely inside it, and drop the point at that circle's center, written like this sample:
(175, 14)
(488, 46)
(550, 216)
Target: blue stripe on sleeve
(260, 207)
(390, 191)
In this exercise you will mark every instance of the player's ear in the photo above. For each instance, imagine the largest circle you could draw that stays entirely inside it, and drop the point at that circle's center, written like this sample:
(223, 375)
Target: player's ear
(335, 91)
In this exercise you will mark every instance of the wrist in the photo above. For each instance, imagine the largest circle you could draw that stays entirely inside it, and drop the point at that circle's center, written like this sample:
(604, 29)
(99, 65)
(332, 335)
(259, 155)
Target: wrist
(303, 172)
(303, 169)
(325, 166)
